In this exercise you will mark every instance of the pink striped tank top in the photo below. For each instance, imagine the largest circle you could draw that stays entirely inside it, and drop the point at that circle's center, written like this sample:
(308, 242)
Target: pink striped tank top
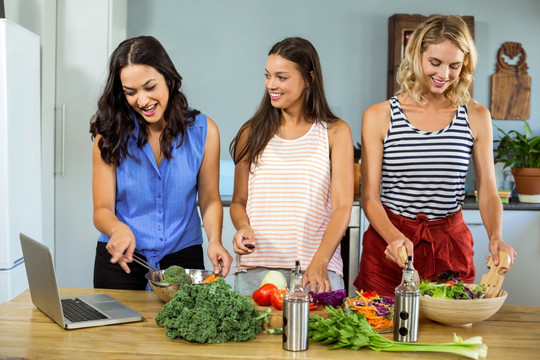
(289, 202)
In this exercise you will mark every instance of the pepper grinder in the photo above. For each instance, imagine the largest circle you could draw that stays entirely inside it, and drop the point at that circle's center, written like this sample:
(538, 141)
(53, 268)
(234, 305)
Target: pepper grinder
(406, 306)
(295, 314)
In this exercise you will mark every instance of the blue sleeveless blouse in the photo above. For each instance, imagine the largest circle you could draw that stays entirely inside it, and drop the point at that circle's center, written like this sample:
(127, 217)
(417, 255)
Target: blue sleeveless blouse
(159, 204)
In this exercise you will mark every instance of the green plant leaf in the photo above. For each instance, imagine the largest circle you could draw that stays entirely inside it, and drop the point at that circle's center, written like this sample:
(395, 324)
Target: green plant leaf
(515, 149)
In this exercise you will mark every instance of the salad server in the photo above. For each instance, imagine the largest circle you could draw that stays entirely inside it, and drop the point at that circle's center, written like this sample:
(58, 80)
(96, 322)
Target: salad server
(492, 281)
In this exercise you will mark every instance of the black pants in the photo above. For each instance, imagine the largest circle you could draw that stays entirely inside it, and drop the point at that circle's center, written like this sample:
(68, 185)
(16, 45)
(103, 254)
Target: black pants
(111, 276)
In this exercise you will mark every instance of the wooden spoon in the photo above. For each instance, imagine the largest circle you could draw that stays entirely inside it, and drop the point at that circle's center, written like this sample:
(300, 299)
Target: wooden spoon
(492, 281)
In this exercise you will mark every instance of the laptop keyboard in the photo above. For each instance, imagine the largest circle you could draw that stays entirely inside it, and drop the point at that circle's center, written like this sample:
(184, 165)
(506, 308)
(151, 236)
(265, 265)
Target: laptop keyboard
(76, 310)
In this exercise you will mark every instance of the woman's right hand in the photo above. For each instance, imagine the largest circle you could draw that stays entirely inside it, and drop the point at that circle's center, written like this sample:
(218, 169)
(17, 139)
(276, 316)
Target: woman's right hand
(243, 241)
(121, 246)
(392, 250)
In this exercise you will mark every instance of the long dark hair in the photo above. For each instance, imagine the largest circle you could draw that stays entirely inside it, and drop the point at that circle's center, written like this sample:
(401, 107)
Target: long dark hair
(267, 119)
(113, 119)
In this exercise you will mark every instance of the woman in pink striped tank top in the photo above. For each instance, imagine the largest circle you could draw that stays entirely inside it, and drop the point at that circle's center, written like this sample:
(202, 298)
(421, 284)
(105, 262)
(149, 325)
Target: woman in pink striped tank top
(293, 185)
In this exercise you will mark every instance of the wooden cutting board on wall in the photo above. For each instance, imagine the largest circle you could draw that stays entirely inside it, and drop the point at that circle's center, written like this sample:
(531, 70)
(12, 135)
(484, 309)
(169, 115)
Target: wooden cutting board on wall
(511, 85)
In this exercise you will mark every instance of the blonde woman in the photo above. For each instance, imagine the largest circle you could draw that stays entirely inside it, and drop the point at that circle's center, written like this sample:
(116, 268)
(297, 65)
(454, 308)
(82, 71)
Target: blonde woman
(418, 145)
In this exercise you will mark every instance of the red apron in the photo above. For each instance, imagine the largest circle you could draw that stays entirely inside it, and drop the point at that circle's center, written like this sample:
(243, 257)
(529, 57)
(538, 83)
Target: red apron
(439, 245)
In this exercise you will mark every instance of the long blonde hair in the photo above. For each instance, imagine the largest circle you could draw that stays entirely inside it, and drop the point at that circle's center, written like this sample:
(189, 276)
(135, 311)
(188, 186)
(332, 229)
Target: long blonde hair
(435, 30)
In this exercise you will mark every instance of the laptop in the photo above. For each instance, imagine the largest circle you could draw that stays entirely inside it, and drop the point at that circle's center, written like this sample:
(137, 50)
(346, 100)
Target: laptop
(72, 312)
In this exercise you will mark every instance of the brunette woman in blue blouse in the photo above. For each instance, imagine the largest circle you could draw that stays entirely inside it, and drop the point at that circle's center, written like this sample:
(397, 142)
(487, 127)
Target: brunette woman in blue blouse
(152, 156)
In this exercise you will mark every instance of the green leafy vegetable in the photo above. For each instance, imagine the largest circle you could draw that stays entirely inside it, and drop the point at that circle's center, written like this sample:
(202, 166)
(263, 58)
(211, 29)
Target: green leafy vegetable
(276, 278)
(348, 329)
(210, 313)
(452, 290)
(176, 275)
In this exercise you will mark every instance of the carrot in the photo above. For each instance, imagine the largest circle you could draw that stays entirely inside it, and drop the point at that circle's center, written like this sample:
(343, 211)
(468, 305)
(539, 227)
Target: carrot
(211, 278)
(369, 310)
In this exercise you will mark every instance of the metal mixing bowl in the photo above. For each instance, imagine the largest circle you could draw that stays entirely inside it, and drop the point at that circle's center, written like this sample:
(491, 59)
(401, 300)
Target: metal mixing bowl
(165, 291)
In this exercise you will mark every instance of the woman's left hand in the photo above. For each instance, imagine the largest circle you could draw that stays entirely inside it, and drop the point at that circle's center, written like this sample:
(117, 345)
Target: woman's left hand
(220, 258)
(496, 246)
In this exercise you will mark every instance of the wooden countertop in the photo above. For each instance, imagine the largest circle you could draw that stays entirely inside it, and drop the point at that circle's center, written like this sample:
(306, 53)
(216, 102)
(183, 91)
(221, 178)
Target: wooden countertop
(26, 333)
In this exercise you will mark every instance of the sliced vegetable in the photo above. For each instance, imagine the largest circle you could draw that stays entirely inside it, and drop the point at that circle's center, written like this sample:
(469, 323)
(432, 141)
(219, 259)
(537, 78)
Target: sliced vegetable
(276, 278)
(277, 298)
(379, 312)
(263, 294)
(349, 329)
(211, 278)
(329, 298)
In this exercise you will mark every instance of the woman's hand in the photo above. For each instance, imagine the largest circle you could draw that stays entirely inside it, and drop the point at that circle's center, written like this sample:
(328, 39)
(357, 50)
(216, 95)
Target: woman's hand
(243, 241)
(316, 275)
(498, 245)
(220, 258)
(392, 250)
(121, 246)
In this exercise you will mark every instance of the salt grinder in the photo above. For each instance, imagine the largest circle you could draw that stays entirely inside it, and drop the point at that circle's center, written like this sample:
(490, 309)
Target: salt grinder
(406, 306)
(295, 314)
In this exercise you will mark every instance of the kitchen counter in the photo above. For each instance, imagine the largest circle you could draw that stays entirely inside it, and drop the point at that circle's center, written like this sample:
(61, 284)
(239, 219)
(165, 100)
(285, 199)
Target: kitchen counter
(227, 199)
(470, 203)
(513, 204)
(512, 333)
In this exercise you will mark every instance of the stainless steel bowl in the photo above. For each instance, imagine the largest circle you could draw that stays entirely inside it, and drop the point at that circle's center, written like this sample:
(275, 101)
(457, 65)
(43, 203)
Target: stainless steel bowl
(165, 291)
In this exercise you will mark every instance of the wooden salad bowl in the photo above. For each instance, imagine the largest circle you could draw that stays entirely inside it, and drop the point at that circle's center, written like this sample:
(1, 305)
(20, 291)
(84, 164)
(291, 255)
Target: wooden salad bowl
(452, 312)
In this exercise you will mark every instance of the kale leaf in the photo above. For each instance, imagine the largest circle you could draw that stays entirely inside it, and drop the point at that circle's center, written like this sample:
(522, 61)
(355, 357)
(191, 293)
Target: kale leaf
(209, 313)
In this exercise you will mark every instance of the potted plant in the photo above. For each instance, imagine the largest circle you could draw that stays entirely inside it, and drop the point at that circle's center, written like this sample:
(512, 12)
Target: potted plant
(521, 152)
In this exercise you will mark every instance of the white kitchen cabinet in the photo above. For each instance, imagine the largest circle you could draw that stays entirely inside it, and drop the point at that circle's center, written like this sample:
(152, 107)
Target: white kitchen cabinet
(87, 31)
(521, 230)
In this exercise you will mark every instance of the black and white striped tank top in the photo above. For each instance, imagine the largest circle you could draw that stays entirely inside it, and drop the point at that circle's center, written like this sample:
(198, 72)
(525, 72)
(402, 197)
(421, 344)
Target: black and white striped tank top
(424, 172)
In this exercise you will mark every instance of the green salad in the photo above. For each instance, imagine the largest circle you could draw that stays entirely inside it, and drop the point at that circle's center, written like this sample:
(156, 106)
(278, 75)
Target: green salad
(452, 289)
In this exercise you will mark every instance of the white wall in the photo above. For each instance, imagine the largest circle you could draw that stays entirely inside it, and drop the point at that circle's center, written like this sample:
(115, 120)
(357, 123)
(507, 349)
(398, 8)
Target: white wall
(220, 48)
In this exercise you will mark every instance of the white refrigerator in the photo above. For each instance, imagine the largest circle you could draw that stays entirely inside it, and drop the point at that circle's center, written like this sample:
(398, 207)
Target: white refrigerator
(20, 152)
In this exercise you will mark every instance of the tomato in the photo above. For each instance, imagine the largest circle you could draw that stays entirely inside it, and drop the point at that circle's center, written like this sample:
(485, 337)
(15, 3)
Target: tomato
(369, 295)
(277, 298)
(262, 295)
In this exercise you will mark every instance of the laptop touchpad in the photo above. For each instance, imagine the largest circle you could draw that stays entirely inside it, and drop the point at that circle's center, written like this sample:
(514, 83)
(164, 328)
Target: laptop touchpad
(107, 305)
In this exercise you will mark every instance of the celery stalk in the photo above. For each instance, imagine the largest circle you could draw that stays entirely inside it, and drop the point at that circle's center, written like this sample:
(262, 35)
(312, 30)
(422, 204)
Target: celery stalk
(351, 330)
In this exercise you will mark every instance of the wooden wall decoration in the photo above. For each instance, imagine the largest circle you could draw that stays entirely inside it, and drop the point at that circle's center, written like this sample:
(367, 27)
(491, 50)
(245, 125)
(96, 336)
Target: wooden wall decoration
(400, 28)
(511, 85)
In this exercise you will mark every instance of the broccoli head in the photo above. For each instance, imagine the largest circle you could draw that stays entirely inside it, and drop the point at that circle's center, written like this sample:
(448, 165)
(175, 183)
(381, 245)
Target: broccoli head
(210, 313)
(176, 275)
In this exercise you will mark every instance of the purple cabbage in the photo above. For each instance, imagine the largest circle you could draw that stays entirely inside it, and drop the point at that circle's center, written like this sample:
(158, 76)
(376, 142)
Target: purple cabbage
(382, 310)
(387, 300)
(329, 298)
